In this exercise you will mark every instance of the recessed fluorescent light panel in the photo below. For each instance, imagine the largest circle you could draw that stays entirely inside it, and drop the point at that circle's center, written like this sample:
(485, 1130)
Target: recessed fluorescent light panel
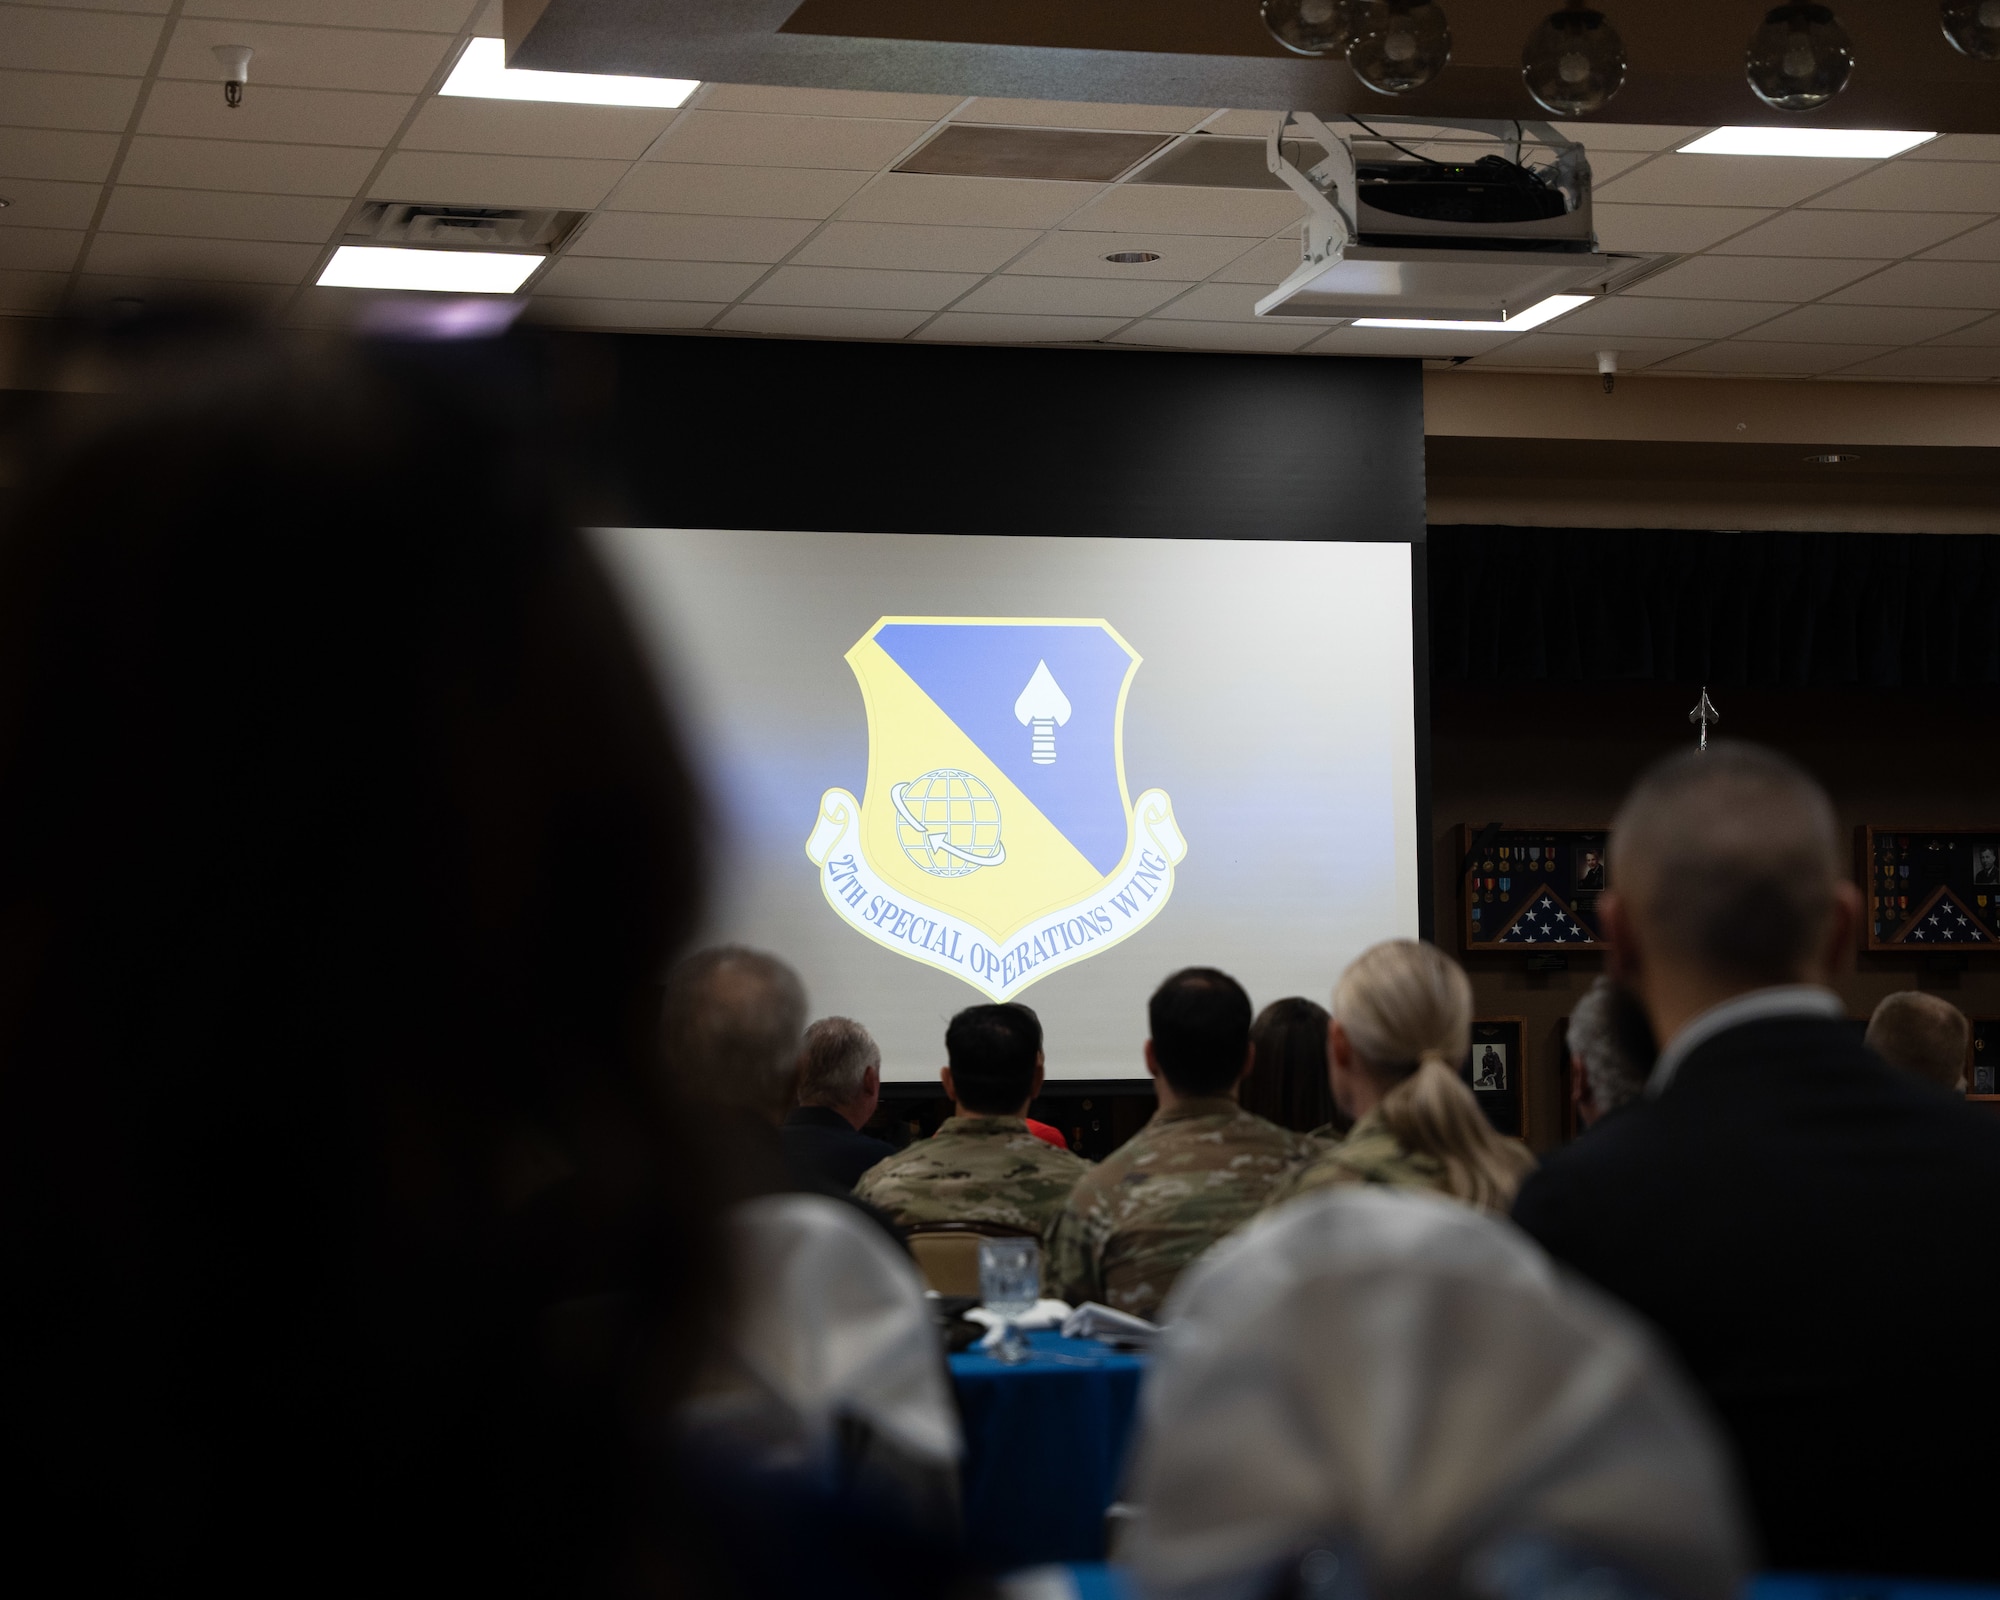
(1852, 144)
(1540, 312)
(482, 73)
(368, 266)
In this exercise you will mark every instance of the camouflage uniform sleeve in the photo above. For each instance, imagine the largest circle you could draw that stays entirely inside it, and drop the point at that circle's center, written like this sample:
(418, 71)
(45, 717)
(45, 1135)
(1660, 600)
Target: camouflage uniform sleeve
(1069, 1271)
(873, 1184)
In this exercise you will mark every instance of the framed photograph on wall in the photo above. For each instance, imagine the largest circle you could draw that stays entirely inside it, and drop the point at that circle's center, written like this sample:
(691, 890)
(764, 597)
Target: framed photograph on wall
(1982, 1078)
(1529, 888)
(1930, 889)
(1493, 1071)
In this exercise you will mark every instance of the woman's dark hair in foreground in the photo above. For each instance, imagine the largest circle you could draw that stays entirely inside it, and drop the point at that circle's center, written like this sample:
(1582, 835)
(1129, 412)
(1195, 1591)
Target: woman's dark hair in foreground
(1288, 1085)
(344, 1236)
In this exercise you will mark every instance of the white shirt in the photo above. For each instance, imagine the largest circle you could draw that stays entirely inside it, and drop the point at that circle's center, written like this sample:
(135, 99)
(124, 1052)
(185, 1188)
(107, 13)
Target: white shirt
(1759, 1005)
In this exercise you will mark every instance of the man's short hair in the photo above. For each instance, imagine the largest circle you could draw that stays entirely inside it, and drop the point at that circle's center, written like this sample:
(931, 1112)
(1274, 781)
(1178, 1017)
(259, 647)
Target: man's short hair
(1728, 859)
(992, 1052)
(1609, 1034)
(835, 1061)
(1200, 1019)
(1923, 1034)
(732, 1024)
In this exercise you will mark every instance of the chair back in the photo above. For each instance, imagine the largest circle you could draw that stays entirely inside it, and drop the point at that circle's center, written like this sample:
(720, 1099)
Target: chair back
(947, 1253)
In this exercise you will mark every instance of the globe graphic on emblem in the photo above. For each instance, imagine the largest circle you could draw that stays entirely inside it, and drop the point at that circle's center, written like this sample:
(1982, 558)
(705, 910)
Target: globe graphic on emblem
(943, 813)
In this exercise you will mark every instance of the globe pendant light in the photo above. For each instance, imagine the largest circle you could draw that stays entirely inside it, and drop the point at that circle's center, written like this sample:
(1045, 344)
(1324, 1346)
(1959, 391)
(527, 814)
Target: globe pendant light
(1313, 27)
(1407, 43)
(1973, 26)
(1799, 59)
(1575, 61)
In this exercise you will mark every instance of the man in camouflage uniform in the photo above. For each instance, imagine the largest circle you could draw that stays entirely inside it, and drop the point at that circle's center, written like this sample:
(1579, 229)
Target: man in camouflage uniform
(983, 1165)
(1201, 1166)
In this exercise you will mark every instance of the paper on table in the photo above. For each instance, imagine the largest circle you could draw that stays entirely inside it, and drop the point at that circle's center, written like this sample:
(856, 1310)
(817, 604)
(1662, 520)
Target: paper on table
(1093, 1321)
(1047, 1314)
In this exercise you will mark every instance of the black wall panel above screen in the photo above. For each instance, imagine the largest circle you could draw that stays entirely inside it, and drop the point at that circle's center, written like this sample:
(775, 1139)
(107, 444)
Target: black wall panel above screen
(895, 438)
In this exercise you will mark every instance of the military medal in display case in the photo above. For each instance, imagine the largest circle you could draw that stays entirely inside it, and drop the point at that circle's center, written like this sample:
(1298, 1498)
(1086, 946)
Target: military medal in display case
(1492, 1071)
(1930, 889)
(1528, 888)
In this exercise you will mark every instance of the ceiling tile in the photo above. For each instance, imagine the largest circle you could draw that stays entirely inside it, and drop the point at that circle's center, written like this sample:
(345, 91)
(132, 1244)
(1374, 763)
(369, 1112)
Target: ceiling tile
(60, 155)
(39, 249)
(822, 322)
(531, 128)
(34, 203)
(1631, 135)
(1081, 255)
(45, 40)
(827, 102)
(32, 292)
(969, 202)
(1930, 361)
(208, 214)
(1834, 324)
(636, 314)
(1670, 228)
(912, 245)
(1272, 337)
(1617, 316)
(1081, 297)
(1728, 181)
(1234, 213)
(307, 58)
(1787, 278)
(238, 260)
(1980, 244)
(1973, 284)
(95, 290)
(426, 16)
(656, 236)
(1217, 302)
(600, 277)
(1565, 350)
(1984, 332)
(66, 100)
(1429, 344)
(735, 191)
(229, 164)
(1082, 114)
(149, 7)
(1767, 356)
(1242, 124)
(275, 113)
(839, 286)
(966, 327)
(1920, 186)
(434, 176)
(1850, 235)
(1269, 263)
(1959, 147)
(742, 139)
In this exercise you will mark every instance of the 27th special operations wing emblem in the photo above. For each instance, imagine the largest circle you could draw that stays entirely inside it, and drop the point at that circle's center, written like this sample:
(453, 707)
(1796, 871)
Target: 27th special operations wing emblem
(996, 840)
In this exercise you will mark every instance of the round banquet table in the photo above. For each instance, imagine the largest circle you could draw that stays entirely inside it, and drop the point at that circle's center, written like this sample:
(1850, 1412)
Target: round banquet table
(1045, 1445)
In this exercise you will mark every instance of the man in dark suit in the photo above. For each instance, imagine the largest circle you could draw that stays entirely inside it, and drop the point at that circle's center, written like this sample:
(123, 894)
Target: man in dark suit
(840, 1084)
(1812, 1231)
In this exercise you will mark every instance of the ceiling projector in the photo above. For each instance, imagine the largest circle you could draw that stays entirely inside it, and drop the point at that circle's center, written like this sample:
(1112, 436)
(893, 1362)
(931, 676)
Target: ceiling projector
(1409, 237)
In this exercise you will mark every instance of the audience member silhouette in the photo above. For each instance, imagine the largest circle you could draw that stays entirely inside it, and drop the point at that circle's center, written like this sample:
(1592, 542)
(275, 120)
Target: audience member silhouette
(1288, 1084)
(1923, 1034)
(1610, 1051)
(840, 1085)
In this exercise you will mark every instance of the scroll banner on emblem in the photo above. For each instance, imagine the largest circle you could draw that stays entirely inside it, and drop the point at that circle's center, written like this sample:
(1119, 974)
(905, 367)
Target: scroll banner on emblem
(1115, 909)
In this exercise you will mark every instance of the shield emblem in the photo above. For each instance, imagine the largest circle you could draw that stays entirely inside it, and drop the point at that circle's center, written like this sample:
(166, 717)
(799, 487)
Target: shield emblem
(996, 838)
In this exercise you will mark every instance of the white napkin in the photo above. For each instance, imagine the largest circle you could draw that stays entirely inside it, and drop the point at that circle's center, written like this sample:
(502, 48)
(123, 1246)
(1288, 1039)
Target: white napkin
(1093, 1321)
(1047, 1314)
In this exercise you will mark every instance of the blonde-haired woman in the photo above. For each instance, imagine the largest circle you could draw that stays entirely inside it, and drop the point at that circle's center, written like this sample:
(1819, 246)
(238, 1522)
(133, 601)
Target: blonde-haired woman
(1402, 1022)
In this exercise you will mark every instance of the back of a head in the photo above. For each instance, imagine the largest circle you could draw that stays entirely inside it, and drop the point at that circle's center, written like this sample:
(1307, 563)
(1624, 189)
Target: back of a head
(732, 1025)
(834, 1064)
(1407, 1009)
(1922, 1034)
(1609, 1033)
(1200, 1020)
(1288, 1083)
(1728, 860)
(343, 841)
(992, 1051)
(1411, 1385)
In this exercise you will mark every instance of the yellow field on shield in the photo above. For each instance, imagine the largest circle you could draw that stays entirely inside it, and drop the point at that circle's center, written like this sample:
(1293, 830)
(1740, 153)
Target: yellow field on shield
(909, 736)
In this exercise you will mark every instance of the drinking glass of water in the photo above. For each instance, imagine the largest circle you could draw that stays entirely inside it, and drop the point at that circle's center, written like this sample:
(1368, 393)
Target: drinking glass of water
(1010, 1282)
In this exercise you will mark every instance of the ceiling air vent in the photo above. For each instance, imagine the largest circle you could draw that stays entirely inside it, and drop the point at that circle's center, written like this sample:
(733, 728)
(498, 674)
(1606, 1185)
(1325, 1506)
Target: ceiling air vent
(1066, 155)
(462, 227)
(1208, 161)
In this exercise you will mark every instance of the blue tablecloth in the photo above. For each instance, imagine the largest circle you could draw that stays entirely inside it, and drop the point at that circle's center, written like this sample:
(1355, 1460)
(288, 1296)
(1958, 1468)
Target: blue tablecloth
(1045, 1447)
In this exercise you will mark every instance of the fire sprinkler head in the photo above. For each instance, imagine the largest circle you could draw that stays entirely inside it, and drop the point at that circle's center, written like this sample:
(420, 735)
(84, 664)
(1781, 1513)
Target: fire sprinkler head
(1607, 367)
(235, 59)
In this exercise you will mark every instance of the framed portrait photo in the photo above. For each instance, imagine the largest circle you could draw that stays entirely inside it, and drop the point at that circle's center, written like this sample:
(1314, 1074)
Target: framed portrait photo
(1493, 1071)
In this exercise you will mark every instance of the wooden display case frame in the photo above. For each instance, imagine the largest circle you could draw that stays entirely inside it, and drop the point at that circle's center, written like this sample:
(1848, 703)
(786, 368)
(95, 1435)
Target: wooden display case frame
(1480, 937)
(1986, 918)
